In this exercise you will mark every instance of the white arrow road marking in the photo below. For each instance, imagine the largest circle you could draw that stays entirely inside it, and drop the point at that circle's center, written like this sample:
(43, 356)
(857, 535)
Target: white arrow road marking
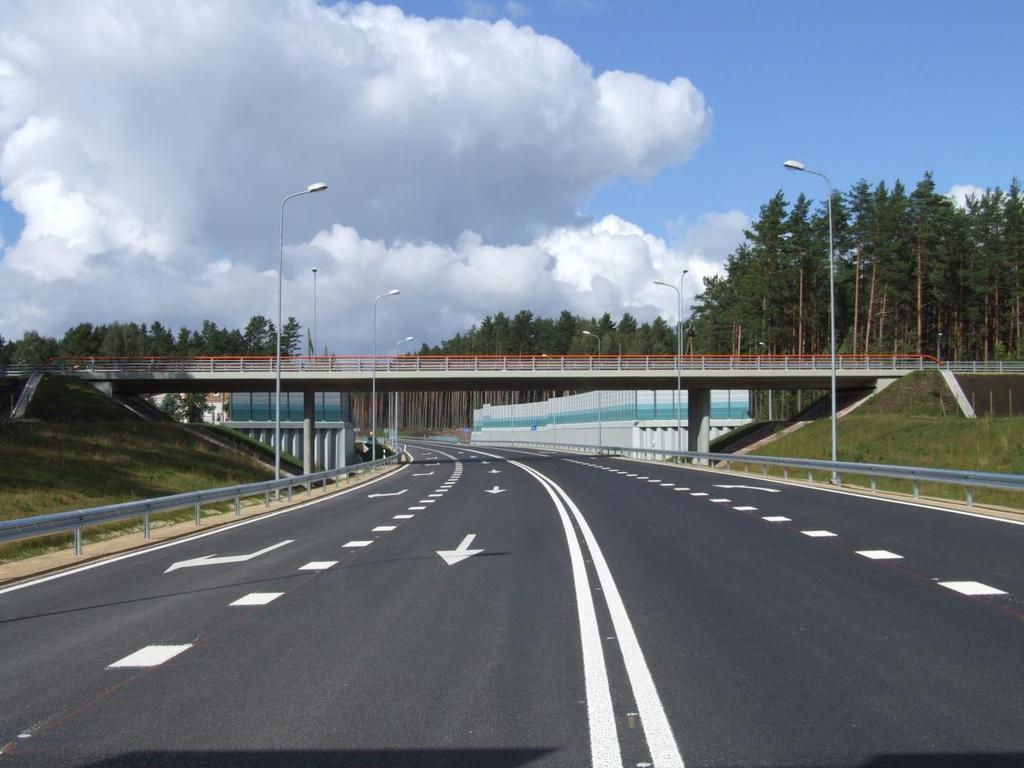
(493, 471)
(461, 552)
(379, 495)
(214, 560)
(751, 488)
(495, 490)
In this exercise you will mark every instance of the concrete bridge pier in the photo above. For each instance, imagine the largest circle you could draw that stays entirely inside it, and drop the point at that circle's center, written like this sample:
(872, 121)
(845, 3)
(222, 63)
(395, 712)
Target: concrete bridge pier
(698, 421)
(308, 430)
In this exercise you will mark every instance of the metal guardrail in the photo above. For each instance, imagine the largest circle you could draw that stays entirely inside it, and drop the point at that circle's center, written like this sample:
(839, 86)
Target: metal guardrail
(965, 478)
(77, 520)
(498, 363)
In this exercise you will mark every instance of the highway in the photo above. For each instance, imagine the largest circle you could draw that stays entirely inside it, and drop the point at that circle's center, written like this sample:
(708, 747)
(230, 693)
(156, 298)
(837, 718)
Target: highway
(498, 607)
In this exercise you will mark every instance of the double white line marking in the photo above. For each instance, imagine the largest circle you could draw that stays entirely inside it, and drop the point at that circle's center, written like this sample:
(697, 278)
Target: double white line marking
(604, 739)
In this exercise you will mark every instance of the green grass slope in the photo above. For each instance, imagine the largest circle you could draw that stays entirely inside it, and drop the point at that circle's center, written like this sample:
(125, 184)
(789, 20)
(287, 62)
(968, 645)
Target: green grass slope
(903, 425)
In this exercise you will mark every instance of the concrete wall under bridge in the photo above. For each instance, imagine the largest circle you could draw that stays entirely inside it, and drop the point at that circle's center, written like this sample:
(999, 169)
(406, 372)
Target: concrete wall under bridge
(333, 445)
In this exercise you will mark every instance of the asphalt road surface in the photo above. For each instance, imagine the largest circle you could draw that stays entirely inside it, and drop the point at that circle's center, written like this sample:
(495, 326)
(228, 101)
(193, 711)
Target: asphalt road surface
(496, 607)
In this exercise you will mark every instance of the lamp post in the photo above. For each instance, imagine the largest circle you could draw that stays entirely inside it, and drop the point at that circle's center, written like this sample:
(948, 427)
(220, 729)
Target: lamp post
(796, 165)
(312, 342)
(600, 415)
(679, 353)
(373, 376)
(317, 187)
(394, 437)
(938, 346)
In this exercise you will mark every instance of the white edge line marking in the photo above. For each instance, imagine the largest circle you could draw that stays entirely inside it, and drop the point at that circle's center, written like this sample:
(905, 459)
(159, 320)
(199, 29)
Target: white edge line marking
(257, 598)
(658, 732)
(150, 656)
(196, 537)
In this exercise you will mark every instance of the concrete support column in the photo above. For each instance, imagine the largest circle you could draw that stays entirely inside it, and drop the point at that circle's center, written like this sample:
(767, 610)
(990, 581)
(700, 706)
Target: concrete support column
(698, 420)
(308, 417)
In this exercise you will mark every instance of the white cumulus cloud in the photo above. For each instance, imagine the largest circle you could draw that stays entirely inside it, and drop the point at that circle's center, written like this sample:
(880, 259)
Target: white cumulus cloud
(959, 193)
(148, 147)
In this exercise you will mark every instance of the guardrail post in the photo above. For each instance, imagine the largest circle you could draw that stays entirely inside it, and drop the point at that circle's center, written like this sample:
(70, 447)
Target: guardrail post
(785, 473)
(874, 484)
(145, 526)
(917, 487)
(199, 512)
(289, 492)
(266, 499)
(970, 496)
(78, 542)
(238, 506)
(810, 476)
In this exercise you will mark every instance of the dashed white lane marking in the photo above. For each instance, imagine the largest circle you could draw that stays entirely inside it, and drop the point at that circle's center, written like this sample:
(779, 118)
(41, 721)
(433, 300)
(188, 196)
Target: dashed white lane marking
(435, 495)
(777, 519)
(654, 481)
(416, 509)
(383, 528)
(680, 488)
(319, 565)
(151, 656)
(698, 493)
(879, 554)
(971, 588)
(630, 474)
(427, 501)
(667, 485)
(352, 544)
(745, 509)
(403, 517)
(257, 598)
(817, 534)
(642, 477)
(421, 474)
(719, 501)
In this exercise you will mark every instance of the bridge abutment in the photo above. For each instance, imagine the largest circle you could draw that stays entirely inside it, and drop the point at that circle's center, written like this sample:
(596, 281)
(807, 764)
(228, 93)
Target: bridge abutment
(308, 430)
(698, 420)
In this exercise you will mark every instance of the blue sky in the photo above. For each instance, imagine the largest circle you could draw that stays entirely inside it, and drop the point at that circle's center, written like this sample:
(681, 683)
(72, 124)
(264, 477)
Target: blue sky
(879, 90)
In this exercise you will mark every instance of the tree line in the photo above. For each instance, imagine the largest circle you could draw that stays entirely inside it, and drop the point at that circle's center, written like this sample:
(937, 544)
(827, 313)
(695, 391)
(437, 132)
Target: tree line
(914, 274)
(139, 339)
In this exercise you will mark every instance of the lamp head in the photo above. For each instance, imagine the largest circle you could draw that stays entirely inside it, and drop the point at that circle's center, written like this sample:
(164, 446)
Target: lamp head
(587, 333)
(394, 292)
(407, 338)
(314, 270)
(662, 282)
(794, 165)
(317, 187)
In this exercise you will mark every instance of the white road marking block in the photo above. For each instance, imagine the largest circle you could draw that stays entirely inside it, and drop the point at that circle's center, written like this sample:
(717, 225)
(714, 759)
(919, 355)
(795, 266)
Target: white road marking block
(719, 501)
(416, 509)
(318, 565)
(745, 509)
(680, 488)
(352, 544)
(751, 488)
(817, 534)
(879, 554)
(630, 474)
(383, 528)
(642, 477)
(698, 493)
(257, 598)
(403, 517)
(654, 481)
(971, 588)
(667, 485)
(435, 495)
(777, 519)
(151, 656)
(427, 501)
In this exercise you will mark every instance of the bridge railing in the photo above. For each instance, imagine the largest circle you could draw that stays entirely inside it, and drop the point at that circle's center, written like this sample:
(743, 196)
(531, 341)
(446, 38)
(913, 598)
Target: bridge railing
(967, 479)
(77, 520)
(144, 366)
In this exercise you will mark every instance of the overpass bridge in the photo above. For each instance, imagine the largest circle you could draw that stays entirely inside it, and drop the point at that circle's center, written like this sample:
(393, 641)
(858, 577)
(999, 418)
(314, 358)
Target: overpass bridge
(352, 373)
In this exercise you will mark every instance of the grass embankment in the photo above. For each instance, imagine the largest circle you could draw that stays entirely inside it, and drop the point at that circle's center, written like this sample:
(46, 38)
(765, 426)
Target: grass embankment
(98, 453)
(904, 424)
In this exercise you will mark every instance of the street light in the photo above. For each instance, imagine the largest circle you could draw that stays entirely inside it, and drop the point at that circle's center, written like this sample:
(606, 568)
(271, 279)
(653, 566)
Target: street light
(312, 341)
(600, 415)
(395, 394)
(679, 353)
(373, 364)
(317, 187)
(796, 165)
